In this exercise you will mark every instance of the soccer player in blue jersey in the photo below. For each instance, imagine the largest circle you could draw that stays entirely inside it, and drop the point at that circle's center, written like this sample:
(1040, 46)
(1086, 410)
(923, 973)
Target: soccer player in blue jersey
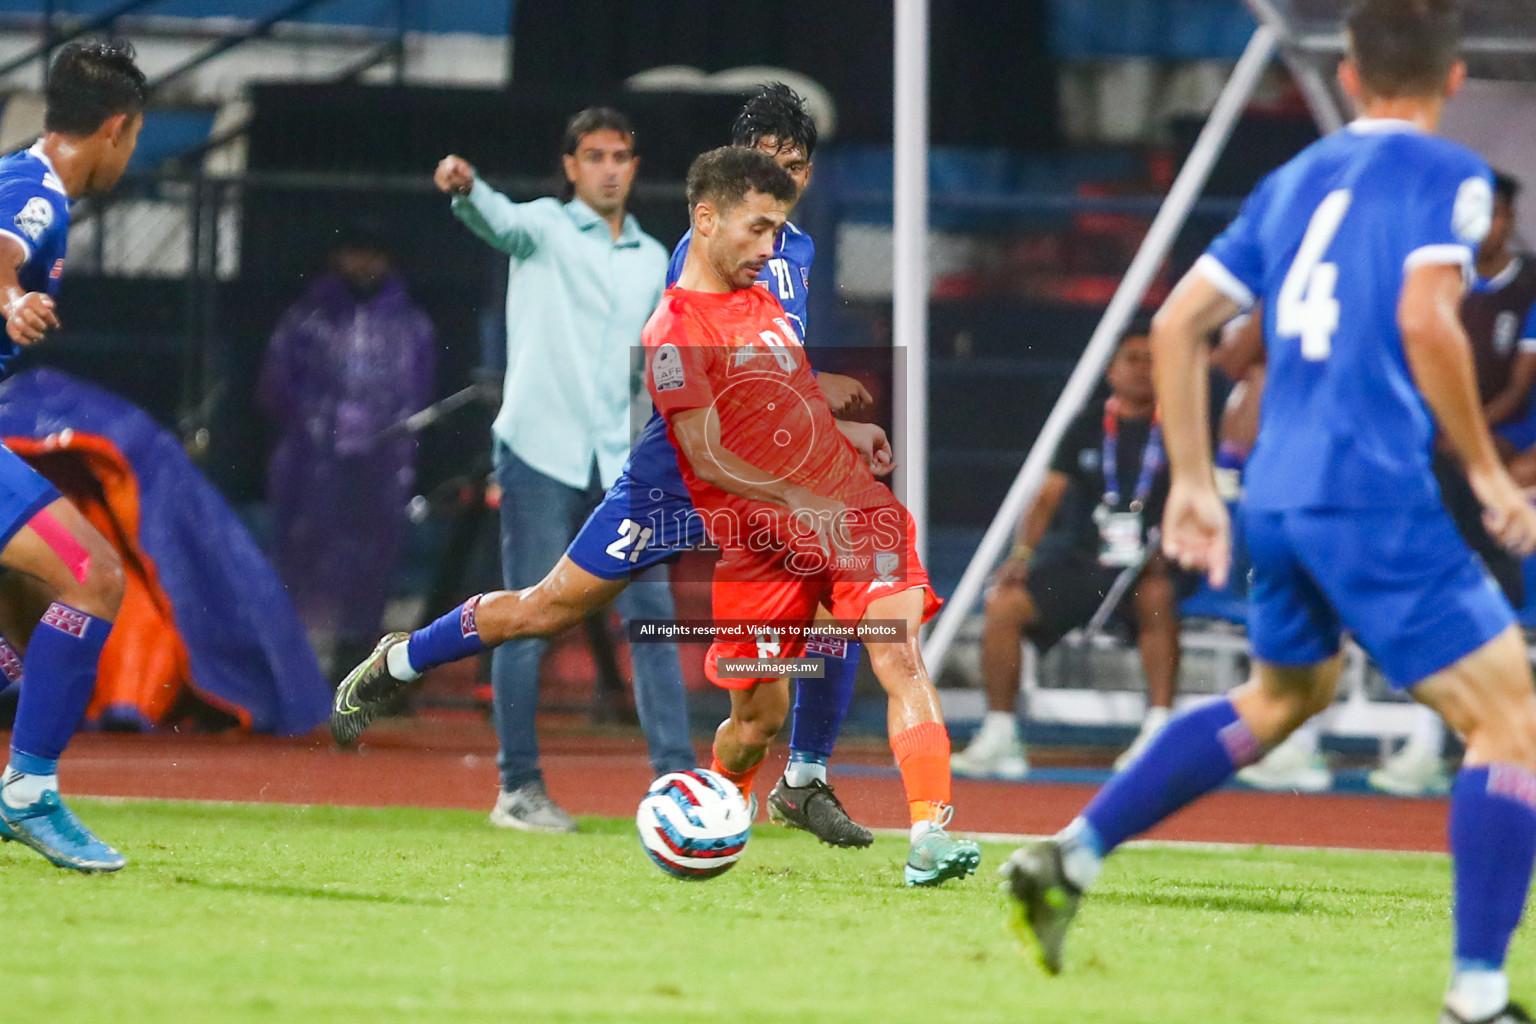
(54, 563)
(1359, 249)
(647, 518)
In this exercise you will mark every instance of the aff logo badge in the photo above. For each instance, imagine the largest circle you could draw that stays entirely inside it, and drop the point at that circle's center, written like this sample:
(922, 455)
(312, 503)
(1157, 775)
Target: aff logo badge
(886, 564)
(1472, 215)
(667, 368)
(35, 217)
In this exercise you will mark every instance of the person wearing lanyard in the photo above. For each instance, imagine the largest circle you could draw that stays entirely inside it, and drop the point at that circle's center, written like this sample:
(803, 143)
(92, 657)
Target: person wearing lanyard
(1088, 526)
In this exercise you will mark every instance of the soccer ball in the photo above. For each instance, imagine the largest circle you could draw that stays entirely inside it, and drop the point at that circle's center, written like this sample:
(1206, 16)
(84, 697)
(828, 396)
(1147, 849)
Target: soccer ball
(693, 824)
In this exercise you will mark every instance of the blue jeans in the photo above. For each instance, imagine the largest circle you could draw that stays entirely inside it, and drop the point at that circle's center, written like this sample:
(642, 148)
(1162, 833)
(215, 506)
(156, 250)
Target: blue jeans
(539, 516)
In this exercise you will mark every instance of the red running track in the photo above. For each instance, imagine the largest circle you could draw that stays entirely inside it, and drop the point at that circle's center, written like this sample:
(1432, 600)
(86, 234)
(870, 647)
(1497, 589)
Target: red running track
(450, 762)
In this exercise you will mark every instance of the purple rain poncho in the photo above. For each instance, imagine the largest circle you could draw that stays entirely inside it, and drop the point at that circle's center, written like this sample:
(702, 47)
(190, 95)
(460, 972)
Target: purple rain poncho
(341, 369)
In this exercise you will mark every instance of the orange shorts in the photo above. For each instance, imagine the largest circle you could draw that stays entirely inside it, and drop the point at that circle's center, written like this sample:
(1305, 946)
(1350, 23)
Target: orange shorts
(782, 589)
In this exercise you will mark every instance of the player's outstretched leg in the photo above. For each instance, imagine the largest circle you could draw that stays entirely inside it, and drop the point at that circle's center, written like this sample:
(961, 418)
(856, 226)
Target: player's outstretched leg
(758, 708)
(1487, 697)
(80, 577)
(556, 602)
(921, 745)
(1197, 751)
(803, 798)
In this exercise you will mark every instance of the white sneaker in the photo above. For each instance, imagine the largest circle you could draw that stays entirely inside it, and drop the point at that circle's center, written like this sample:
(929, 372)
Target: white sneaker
(991, 757)
(1412, 771)
(1150, 727)
(1291, 766)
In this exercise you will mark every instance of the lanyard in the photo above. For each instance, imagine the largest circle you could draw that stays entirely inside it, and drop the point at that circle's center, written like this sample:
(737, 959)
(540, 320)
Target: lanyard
(1151, 458)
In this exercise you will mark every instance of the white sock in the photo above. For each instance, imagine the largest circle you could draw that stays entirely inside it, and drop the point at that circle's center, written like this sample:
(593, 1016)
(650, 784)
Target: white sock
(1478, 995)
(1000, 725)
(1080, 860)
(803, 773)
(1427, 733)
(1156, 718)
(397, 660)
(1306, 737)
(21, 789)
(920, 828)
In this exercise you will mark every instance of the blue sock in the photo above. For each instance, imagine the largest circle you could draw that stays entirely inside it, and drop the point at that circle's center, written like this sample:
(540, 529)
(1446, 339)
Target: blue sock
(1197, 751)
(821, 705)
(1493, 843)
(56, 687)
(446, 639)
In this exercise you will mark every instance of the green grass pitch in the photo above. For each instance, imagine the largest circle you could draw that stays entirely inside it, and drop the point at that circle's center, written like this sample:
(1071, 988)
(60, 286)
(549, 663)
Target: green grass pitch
(263, 913)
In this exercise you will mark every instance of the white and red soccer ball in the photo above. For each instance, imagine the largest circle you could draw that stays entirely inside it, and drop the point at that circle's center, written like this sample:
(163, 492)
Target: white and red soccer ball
(694, 824)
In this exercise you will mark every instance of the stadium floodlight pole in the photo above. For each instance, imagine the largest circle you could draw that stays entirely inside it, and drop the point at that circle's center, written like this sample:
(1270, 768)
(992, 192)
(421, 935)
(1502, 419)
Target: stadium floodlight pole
(1101, 346)
(909, 284)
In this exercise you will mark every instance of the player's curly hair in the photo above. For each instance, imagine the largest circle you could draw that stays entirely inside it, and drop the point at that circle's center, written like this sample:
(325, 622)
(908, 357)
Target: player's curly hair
(777, 112)
(724, 176)
(90, 82)
(1405, 47)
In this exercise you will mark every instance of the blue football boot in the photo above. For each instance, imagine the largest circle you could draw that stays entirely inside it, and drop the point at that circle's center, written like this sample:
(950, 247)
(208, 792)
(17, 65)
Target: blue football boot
(52, 830)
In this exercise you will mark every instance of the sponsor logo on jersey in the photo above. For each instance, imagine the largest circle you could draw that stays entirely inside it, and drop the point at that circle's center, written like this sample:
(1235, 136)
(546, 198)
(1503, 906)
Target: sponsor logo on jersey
(35, 217)
(667, 368)
(58, 270)
(1472, 215)
(1504, 329)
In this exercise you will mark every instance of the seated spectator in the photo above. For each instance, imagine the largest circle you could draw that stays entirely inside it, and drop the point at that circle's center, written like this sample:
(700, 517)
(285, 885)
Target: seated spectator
(1497, 315)
(1092, 522)
(348, 361)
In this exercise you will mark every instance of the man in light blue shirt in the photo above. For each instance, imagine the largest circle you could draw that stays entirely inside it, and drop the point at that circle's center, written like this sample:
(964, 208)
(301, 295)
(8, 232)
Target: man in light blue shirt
(584, 281)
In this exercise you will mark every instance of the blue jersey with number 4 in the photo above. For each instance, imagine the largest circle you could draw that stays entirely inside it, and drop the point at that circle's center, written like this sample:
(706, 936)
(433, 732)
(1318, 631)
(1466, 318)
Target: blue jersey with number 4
(34, 212)
(1326, 242)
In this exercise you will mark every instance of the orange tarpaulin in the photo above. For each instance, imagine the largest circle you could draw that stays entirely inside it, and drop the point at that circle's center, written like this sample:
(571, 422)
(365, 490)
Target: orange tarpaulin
(144, 667)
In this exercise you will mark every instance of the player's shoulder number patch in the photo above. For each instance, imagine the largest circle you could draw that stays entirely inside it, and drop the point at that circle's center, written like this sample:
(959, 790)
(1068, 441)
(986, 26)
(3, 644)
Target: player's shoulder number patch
(1472, 215)
(35, 217)
(667, 368)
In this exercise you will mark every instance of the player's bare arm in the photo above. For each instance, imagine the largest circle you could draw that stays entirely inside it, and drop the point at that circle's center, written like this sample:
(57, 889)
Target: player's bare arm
(872, 445)
(28, 315)
(697, 433)
(1196, 529)
(1440, 358)
(454, 175)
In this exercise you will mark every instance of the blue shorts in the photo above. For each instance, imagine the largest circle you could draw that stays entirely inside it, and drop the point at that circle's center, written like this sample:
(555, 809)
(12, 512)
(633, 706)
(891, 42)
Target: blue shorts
(633, 528)
(1403, 581)
(23, 494)
(1520, 433)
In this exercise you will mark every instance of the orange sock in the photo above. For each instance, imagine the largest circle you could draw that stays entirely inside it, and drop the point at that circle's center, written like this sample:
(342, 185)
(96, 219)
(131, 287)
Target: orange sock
(742, 779)
(922, 752)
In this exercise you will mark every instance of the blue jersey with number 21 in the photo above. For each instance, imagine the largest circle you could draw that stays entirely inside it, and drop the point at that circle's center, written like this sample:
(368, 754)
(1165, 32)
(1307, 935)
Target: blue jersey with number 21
(1326, 243)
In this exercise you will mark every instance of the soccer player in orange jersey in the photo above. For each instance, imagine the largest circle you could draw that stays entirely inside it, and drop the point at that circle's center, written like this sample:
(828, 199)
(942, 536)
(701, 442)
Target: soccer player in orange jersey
(799, 518)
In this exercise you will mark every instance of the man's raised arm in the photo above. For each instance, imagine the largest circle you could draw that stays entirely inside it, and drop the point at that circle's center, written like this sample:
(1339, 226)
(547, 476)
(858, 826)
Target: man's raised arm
(501, 223)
